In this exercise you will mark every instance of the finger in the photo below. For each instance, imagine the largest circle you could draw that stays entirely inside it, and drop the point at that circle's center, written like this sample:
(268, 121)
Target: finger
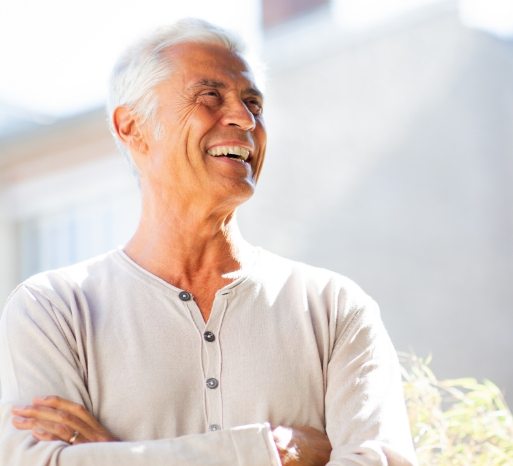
(61, 404)
(42, 416)
(71, 414)
(68, 406)
(22, 423)
(43, 435)
(44, 430)
(96, 431)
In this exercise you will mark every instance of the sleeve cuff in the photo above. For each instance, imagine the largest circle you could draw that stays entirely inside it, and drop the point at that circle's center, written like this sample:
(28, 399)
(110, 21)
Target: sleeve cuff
(255, 441)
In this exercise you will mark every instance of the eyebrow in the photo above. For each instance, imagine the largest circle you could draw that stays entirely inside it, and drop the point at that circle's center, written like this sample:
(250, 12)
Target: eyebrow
(209, 83)
(220, 85)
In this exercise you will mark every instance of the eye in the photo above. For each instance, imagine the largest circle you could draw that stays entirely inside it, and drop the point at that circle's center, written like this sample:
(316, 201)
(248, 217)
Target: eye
(254, 106)
(209, 97)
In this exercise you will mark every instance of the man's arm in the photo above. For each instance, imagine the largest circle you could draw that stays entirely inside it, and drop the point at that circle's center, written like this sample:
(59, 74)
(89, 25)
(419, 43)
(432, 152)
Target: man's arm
(36, 359)
(366, 419)
(54, 418)
(248, 445)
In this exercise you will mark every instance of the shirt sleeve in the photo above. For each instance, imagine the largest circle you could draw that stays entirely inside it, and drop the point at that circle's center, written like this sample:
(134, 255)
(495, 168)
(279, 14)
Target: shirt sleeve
(366, 418)
(36, 359)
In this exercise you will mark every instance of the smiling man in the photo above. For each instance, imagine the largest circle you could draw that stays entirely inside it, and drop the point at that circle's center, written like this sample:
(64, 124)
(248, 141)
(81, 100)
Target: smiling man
(189, 346)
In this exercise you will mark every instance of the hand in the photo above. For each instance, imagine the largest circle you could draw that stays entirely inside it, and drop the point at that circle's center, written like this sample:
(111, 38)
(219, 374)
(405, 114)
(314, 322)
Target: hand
(54, 418)
(302, 446)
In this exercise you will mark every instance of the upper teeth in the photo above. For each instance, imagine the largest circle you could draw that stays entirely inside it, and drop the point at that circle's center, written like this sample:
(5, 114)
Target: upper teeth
(219, 151)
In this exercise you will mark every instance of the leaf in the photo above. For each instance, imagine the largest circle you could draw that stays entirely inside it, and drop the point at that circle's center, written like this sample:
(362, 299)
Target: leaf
(456, 422)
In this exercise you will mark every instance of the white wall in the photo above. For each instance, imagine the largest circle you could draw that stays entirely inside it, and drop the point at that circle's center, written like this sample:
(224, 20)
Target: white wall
(66, 195)
(8, 266)
(390, 160)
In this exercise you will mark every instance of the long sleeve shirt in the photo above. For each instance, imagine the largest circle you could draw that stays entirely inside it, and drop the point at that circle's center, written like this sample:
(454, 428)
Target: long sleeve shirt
(285, 343)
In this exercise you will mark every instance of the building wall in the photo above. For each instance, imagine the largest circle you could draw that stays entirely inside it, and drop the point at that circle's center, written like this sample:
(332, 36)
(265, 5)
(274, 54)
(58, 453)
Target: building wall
(66, 195)
(390, 160)
(390, 155)
(7, 252)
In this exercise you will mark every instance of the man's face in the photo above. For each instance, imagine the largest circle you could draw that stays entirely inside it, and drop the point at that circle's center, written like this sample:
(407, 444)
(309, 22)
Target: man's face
(213, 138)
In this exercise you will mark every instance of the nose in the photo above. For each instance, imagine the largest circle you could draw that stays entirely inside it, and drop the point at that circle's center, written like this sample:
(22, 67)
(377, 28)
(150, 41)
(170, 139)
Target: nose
(236, 113)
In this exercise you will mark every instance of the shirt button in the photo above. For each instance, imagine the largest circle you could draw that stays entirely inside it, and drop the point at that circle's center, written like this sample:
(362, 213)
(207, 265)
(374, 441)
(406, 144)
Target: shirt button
(212, 383)
(185, 296)
(209, 336)
(214, 427)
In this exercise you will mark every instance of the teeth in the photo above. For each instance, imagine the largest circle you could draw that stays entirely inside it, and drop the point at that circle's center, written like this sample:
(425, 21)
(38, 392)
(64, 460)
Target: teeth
(241, 152)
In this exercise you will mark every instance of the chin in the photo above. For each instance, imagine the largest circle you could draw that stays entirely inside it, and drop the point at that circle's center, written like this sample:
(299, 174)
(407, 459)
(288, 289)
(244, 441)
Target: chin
(237, 193)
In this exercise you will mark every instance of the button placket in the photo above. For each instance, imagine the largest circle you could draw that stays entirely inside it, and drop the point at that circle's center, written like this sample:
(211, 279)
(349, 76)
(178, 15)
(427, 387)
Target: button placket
(209, 336)
(212, 383)
(211, 353)
(185, 295)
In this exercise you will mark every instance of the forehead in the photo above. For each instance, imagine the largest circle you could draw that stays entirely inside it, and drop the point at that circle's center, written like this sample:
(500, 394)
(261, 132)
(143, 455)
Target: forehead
(197, 61)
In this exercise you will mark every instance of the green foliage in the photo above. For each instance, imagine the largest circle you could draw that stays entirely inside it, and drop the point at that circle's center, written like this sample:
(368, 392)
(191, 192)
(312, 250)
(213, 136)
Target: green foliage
(458, 422)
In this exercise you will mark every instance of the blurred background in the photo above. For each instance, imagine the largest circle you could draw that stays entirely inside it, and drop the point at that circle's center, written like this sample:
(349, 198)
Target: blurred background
(390, 156)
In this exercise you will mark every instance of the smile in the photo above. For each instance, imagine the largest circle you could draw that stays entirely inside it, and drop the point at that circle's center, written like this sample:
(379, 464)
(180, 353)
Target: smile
(232, 152)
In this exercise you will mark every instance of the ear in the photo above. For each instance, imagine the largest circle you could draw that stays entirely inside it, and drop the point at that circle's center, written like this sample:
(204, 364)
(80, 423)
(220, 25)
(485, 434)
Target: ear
(128, 129)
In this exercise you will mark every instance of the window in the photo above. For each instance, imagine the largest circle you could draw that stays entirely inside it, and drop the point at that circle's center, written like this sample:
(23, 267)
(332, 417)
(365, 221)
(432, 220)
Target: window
(276, 12)
(74, 233)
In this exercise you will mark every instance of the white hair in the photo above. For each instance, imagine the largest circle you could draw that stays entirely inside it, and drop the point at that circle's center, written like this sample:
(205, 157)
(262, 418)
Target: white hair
(144, 65)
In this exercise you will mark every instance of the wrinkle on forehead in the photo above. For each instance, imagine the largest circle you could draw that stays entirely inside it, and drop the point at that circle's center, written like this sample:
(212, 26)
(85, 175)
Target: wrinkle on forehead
(204, 57)
(206, 54)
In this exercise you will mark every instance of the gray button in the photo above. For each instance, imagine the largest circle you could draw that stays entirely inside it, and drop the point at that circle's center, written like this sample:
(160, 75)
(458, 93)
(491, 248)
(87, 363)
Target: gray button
(212, 383)
(209, 336)
(185, 296)
(214, 427)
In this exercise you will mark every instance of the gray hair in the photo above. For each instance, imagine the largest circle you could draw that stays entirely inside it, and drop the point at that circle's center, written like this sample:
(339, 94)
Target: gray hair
(144, 65)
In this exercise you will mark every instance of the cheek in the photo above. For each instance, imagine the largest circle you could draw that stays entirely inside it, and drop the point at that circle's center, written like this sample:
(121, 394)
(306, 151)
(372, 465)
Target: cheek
(203, 117)
(260, 132)
(261, 135)
(176, 121)
(261, 139)
(194, 127)
(259, 164)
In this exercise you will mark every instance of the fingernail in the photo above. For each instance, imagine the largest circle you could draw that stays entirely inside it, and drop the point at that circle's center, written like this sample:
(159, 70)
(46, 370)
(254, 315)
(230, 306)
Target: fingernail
(39, 431)
(40, 399)
(19, 420)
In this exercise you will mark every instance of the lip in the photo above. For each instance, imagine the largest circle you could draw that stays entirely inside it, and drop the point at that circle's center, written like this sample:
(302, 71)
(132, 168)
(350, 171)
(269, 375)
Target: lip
(234, 142)
(237, 164)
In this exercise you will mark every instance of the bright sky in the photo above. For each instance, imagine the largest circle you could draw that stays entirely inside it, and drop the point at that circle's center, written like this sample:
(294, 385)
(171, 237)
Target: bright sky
(56, 55)
(495, 16)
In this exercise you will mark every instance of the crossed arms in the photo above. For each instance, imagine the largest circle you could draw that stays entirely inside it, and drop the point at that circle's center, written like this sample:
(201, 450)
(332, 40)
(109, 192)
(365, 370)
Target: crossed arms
(363, 410)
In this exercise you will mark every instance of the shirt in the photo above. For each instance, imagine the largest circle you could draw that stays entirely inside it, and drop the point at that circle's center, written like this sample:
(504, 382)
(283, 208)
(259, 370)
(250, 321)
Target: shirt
(286, 343)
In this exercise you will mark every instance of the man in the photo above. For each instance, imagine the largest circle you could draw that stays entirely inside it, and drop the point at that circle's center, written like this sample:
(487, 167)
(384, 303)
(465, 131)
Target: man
(189, 344)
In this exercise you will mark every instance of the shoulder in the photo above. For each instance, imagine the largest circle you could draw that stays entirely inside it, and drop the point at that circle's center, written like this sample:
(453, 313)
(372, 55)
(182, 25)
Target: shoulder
(337, 307)
(319, 286)
(59, 287)
(273, 267)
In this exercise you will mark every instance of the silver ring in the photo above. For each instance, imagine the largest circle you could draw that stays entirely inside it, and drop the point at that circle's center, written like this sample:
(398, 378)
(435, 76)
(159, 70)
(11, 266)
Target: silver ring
(74, 437)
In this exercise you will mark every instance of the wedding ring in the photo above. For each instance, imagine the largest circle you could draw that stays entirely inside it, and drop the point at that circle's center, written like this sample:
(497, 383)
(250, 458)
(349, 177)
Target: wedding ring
(72, 439)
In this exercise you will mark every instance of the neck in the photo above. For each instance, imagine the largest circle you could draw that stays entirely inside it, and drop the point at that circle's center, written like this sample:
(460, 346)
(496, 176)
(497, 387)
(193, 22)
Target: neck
(185, 247)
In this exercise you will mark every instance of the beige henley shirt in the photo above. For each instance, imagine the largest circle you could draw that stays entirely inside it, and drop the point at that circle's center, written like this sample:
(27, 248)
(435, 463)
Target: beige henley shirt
(286, 344)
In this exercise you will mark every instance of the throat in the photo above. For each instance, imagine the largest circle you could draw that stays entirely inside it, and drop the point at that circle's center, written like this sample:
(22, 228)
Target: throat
(204, 295)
